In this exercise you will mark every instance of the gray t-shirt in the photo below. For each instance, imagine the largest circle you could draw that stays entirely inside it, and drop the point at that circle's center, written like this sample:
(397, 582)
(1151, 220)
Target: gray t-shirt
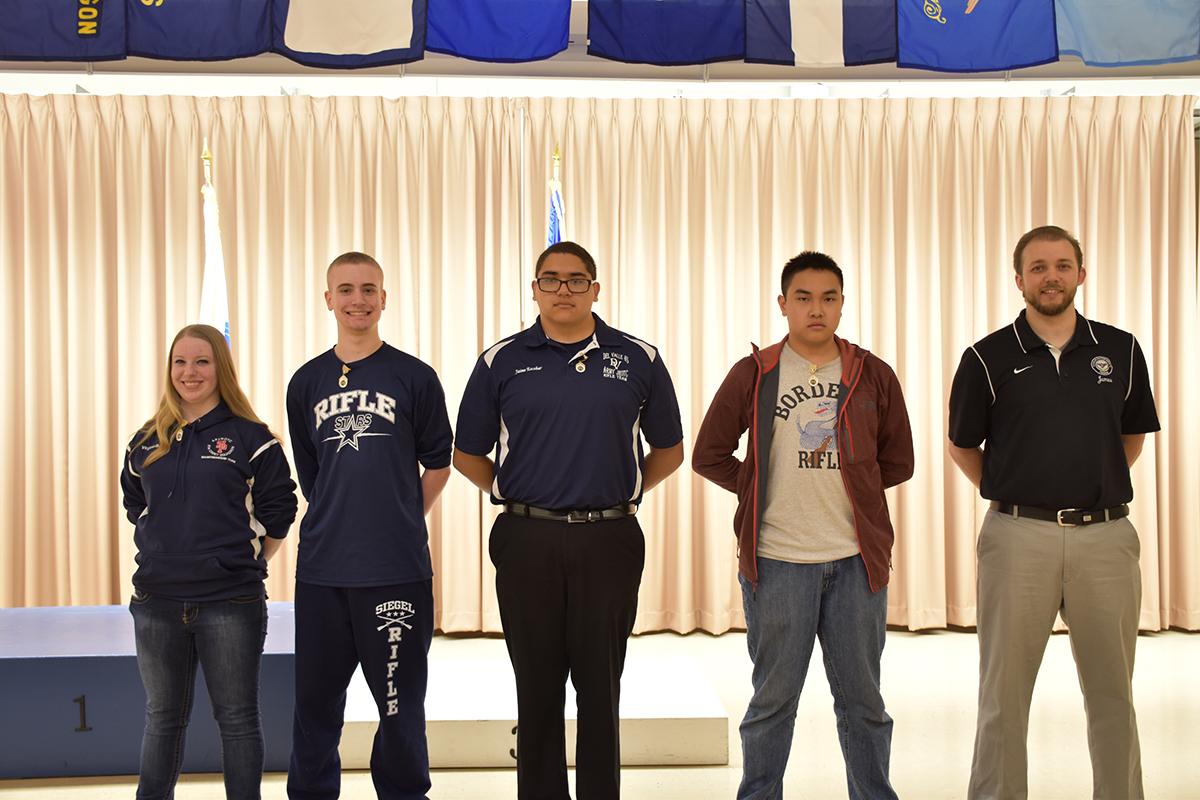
(808, 518)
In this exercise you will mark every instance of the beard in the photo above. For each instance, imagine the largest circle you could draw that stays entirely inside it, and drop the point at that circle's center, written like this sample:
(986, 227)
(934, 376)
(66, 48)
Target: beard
(1051, 308)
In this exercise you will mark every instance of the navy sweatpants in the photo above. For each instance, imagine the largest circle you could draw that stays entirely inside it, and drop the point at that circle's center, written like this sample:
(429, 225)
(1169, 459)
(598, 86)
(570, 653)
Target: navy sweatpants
(386, 629)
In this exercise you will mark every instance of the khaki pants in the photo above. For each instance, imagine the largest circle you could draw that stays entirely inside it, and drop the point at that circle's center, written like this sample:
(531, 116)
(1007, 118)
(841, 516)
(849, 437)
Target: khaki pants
(1030, 570)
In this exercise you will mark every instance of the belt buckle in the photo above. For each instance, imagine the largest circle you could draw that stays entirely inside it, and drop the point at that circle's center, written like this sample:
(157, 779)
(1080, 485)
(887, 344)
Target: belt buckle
(1059, 517)
(577, 515)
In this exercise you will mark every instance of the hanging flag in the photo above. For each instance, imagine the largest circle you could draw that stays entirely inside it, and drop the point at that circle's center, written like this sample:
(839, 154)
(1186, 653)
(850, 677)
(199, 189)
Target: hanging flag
(214, 300)
(820, 32)
(199, 30)
(558, 218)
(364, 33)
(1117, 33)
(667, 33)
(62, 30)
(975, 35)
(499, 30)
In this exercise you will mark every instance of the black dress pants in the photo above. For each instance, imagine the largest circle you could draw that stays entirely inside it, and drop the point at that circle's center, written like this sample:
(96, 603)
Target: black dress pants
(568, 598)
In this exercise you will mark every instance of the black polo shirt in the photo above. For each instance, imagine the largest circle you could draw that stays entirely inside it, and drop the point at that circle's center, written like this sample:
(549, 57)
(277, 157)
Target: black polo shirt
(1053, 433)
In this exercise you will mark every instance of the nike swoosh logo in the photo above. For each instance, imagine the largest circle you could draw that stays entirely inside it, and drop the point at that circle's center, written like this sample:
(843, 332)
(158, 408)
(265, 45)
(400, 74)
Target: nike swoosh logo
(1019, 370)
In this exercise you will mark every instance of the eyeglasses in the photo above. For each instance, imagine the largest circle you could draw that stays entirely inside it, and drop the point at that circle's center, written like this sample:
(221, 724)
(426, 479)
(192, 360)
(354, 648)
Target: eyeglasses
(574, 285)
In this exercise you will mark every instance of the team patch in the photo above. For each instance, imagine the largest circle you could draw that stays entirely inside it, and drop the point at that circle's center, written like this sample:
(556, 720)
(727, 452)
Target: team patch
(1102, 365)
(617, 367)
(221, 447)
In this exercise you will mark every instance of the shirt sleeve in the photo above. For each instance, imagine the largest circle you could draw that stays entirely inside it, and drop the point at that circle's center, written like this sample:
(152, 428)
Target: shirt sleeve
(1139, 414)
(304, 449)
(274, 491)
(970, 402)
(894, 448)
(431, 425)
(661, 423)
(131, 485)
(478, 427)
(728, 418)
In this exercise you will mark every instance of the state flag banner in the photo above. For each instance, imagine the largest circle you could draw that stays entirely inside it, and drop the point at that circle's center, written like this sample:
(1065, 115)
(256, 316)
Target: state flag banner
(501, 31)
(365, 33)
(1117, 33)
(975, 35)
(199, 30)
(62, 30)
(667, 32)
(820, 32)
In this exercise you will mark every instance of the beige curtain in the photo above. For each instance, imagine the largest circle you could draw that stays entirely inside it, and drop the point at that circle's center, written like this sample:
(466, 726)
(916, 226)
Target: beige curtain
(691, 208)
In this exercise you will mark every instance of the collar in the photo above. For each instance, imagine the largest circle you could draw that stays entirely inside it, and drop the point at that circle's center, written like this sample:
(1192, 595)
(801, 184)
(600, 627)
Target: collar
(219, 413)
(1083, 336)
(603, 335)
(852, 356)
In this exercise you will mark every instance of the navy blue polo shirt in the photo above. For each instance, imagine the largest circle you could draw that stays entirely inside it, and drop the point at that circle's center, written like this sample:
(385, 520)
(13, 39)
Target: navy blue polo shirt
(1053, 432)
(564, 438)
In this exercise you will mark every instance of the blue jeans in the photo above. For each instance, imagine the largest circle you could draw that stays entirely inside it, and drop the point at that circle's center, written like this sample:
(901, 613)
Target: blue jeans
(226, 638)
(793, 605)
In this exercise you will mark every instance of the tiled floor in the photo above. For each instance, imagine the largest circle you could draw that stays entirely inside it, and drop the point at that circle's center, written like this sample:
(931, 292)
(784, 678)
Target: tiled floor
(929, 684)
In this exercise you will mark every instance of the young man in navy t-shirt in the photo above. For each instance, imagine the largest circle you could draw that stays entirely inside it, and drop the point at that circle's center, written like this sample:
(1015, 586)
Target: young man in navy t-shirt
(563, 406)
(372, 448)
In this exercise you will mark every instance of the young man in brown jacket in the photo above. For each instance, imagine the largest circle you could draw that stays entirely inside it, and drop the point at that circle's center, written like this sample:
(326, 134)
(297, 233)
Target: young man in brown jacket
(828, 433)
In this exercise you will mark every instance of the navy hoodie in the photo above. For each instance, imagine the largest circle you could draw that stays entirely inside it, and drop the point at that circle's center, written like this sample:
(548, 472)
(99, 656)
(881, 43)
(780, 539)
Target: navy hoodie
(201, 510)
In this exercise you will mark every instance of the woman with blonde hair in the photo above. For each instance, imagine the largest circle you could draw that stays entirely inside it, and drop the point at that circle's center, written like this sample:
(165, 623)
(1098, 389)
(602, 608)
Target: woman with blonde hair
(209, 491)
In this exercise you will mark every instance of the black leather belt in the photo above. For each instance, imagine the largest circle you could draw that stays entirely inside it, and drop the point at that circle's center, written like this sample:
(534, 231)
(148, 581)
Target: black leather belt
(572, 515)
(1067, 517)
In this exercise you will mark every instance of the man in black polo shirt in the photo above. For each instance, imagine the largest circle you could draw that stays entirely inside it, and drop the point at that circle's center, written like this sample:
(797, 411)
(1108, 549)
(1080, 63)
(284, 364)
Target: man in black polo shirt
(1064, 405)
(564, 406)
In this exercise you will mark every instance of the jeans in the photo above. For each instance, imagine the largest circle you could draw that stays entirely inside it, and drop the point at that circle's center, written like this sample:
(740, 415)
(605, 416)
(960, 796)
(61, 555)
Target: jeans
(793, 605)
(226, 638)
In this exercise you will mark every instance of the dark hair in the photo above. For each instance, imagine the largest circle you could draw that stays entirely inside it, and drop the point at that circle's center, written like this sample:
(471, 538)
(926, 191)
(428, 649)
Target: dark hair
(809, 259)
(1048, 233)
(352, 257)
(571, 249)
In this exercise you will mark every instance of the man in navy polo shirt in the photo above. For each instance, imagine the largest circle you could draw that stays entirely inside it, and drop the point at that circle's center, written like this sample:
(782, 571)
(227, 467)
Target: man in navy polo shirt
(561, 405)
(1064, 405)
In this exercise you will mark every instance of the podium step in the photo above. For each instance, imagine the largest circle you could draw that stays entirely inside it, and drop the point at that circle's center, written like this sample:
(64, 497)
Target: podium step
(670, 715)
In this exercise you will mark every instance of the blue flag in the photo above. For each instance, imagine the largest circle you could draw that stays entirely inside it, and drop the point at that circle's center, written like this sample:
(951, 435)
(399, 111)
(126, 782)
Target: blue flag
(667, 32)
(557, 229)
(62, 30)
(199, 30)
(499, 30)
(820, 32)
(1118, 33)
(975, 35)
(558, 218)
(363, 33)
